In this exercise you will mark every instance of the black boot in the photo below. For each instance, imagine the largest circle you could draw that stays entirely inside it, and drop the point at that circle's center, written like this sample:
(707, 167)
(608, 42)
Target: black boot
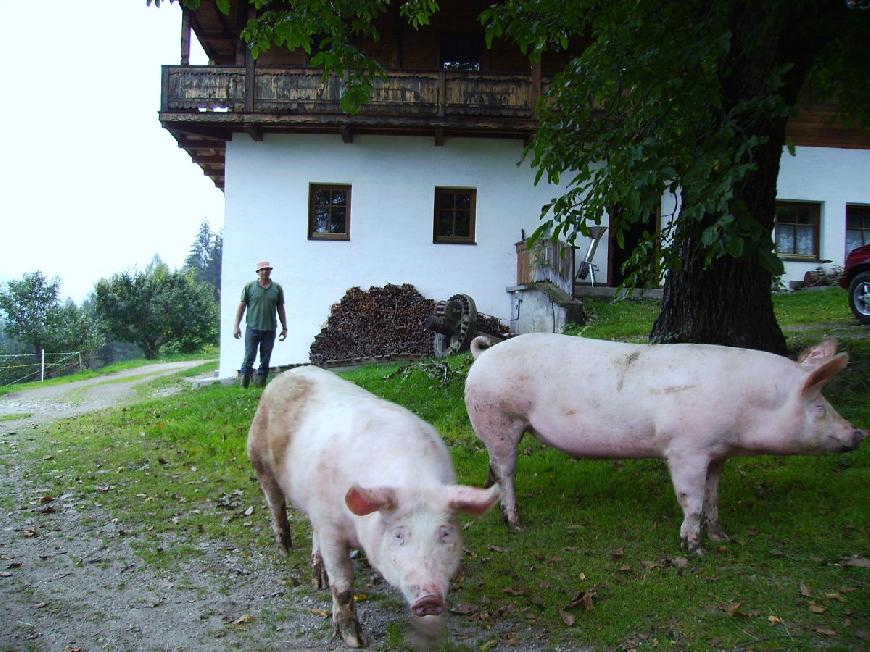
(260, 380)
(244, 380)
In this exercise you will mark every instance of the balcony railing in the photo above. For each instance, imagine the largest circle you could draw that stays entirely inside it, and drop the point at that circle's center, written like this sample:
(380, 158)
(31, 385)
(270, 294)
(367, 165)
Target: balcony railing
(212, 89)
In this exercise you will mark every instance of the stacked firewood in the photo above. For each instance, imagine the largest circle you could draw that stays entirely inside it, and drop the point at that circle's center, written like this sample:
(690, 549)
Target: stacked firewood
(381, 323)
(489, 325)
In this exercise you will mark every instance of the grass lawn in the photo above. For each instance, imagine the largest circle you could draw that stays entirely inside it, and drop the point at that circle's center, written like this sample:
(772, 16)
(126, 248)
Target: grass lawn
(599, 563)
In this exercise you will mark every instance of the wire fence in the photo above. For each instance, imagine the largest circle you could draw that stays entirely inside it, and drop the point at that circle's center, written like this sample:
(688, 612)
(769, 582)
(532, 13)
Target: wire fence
(27, 367)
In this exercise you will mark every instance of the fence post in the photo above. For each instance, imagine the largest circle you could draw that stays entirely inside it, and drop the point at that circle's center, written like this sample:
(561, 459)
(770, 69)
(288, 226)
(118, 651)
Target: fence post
(42, 367)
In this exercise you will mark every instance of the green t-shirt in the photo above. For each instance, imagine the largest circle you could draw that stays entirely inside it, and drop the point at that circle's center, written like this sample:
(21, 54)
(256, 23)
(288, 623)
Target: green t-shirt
(261, 305)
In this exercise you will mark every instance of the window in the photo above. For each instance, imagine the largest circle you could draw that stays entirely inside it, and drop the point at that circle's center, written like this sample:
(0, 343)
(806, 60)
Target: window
(328, 212)
(460, 52)
(857, 226)
(454, 215)
(797, 229)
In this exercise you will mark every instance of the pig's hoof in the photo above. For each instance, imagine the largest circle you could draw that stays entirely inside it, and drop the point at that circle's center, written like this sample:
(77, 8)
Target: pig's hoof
(692, 545)
(284, 543)
(716, 533)
(351, 633)
(319, 578)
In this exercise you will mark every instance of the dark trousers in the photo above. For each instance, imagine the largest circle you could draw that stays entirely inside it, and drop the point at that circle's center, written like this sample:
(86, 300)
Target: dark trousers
(265, 341)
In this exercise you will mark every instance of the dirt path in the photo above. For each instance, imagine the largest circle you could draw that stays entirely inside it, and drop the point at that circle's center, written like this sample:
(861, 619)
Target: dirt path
(53, 402)
(70, 577)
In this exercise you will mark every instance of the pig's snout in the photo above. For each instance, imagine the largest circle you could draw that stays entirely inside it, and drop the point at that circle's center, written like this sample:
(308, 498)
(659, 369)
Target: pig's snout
(857, 437)
(851, 441)
(429, 604)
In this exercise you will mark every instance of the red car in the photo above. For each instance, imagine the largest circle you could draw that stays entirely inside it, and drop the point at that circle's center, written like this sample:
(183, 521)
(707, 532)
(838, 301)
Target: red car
(856, 279)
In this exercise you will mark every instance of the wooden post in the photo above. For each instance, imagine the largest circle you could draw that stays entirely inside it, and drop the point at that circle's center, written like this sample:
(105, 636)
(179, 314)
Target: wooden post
(42, 366)
(535, 90)
(250, 72)
(185, 37)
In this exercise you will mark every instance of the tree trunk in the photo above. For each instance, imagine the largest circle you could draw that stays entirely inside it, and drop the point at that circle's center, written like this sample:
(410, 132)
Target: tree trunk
(730, 302)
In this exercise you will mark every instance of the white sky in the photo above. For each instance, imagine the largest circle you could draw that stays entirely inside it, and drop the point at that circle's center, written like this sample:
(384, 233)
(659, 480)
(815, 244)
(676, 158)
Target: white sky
(90, 183)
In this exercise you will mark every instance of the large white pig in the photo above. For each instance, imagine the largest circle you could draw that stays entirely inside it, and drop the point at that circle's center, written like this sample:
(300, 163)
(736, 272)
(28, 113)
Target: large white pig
(370, 475)
(692, 404)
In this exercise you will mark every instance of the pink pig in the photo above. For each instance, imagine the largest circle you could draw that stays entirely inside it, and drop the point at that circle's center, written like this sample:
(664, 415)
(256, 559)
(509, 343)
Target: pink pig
(692, 404)
(370, 475)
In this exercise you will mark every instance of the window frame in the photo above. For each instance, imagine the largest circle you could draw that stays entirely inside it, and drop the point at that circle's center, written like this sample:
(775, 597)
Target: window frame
(816, 207)
(470, 239)
(318, 235)
(863, 211)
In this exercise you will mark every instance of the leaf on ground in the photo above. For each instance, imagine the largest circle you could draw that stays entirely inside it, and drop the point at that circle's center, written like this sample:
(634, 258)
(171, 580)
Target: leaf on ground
(46, 499)
(805, 591)
(488, 645)
(774, 620)
(617, 554)
(679, 562)
(249, 511)
(493, 548)
(733, 610)
(512, 591)
(323, 613)
(816, 608)
(28, 534)
(567, 618)
(464, 609)
(247, 619)
(582, 598)
(827, 631)
(835, 596)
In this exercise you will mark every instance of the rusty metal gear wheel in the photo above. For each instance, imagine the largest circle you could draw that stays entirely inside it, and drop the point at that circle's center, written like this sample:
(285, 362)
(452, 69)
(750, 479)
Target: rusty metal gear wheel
(454, 324)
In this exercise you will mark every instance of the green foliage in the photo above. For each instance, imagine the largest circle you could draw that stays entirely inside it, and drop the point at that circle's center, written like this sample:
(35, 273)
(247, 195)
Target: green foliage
(157, 308)
(205, 256)
(35, 317)
(29, 306)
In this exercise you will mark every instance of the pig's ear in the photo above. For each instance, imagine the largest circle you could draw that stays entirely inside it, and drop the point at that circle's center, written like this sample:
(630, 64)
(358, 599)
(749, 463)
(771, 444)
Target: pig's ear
(365, 500)
(471, 500)
(817, 378)
(818, 354)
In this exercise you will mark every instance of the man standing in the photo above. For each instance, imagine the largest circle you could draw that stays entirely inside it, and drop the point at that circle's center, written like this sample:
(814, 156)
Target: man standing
(262, 299)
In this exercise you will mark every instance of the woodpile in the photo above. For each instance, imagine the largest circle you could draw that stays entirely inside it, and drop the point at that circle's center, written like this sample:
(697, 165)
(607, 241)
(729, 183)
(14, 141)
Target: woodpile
(378, 324)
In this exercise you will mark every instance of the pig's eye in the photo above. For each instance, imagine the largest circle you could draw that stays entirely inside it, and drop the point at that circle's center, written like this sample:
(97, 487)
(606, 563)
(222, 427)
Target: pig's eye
(445, 534)
(400, 535)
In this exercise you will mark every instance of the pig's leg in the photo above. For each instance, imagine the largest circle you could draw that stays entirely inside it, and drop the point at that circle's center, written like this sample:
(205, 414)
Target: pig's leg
(336, 559)
(276, 502)
(502, 435)
(711, 502)
(319, 580)
(689, 476)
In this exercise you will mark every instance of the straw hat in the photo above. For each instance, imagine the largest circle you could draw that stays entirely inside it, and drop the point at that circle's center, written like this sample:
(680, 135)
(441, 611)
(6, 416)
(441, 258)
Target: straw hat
(263, 264)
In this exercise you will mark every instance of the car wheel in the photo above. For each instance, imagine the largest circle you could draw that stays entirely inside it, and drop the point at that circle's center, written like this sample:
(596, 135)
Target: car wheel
(859, 297)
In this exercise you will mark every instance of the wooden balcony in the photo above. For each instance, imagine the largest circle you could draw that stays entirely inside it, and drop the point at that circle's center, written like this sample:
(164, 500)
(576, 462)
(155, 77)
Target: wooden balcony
(202, 106)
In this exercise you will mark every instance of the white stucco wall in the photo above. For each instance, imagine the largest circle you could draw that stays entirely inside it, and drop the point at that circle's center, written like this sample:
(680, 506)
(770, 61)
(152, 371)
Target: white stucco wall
(393, 182)
(834, 178)
(392, 201)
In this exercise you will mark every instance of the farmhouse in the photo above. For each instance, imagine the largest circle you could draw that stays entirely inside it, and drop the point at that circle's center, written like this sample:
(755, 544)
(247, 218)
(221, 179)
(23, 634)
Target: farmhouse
(426, 185)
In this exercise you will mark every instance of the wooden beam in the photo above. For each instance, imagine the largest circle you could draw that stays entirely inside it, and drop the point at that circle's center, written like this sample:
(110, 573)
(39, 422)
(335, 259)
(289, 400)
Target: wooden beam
(185, 37)
(253, 131)
(439, 136)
